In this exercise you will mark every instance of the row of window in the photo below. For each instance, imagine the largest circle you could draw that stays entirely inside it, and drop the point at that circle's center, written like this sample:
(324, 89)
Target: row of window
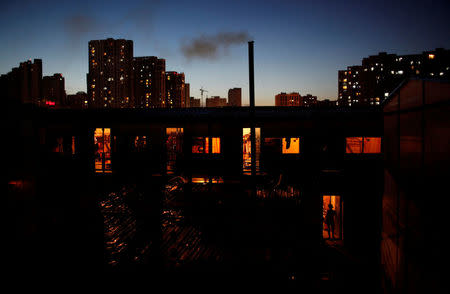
(210, 145)
(205, 145)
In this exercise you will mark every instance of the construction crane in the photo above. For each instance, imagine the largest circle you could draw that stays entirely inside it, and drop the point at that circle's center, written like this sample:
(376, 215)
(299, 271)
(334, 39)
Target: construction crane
(201, 93)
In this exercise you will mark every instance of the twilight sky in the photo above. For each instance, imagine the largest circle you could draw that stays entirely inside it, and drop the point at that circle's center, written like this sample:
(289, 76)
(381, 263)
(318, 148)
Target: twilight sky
(299, 45)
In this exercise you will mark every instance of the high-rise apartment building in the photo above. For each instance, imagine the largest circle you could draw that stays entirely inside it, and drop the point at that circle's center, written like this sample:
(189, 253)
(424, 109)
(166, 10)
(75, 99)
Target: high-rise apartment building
(175, 90)
(53, 91)
(378, 75)
(149, 82)
(235, 97)
(109, 80)
(23, 84)
(349, 86)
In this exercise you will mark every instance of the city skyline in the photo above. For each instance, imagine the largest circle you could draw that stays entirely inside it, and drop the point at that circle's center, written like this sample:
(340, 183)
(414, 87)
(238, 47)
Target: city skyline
(284, 62)
(294, 143)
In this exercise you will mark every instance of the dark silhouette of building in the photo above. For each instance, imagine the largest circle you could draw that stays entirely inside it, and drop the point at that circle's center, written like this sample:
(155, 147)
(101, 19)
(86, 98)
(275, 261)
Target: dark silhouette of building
(216, 101)
(235, 97)
(187, 94)
(194, 102)
(309, 100)
(109, 82)
(78, 100)
(23, 84)
(325, 103)
(370, 83)
(175, 90)
(53, 91)
(414, 255)
(149, 81)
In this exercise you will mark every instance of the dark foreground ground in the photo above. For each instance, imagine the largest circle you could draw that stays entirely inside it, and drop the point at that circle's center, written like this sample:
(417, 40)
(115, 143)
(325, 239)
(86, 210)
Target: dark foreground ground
(217, 234)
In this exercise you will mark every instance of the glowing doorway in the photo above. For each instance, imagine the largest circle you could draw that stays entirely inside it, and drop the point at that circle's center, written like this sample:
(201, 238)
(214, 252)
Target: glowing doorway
(332, 217)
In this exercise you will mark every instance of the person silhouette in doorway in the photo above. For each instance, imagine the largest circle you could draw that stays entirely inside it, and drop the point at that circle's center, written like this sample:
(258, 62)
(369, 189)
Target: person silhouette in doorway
(330, 221)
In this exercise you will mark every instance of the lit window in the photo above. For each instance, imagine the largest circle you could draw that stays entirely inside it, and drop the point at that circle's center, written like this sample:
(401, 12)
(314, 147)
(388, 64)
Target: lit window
(430, 56)
(372, 145)
(215, 145)
(291, 146)
(73, 145)
(140, 143)
(353, 145)
(201, 145)
(363, 144)
(59, 147)
(247, 150)
(102, 141)
(174, 145)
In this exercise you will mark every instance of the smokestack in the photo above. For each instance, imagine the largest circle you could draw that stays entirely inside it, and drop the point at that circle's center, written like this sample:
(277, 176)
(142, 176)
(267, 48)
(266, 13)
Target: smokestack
(251, 73)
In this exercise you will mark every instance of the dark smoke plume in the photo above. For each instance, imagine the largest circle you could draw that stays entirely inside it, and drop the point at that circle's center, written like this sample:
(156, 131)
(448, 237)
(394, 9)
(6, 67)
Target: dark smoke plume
(213, 46)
